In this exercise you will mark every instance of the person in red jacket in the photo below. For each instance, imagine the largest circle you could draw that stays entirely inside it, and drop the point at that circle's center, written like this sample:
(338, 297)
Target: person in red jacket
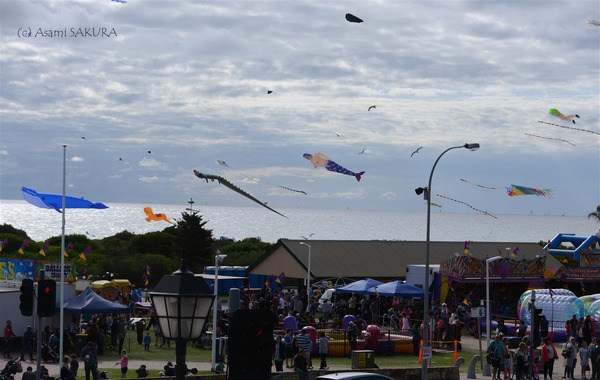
(549, 355)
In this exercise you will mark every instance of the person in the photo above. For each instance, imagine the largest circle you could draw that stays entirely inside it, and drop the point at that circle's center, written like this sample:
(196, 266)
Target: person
(169, 369)
(9, 335)
(352, 334)
(147, 341)
(73, 364)
(325, 309)
(496, 349)
(220, 367)
(27, 344)
(289, 349)
(142, 372)
(549, 355)
(522, 329)
(65, 372)
(544, 325)
(29, 374)
(416, 338)
(368, 341)
(304, 343)
(323, 350)
(570, 355)
(124, 362)
(520, 358)
(121, 329)
(594, 354)
(506, 358)
(90, 359)
(502, 328)
(279, 353)
(300, 364)
(583, 359)
(140, 326)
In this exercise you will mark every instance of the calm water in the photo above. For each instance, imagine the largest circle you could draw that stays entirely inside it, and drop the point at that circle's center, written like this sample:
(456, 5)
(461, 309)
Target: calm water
(240, 223)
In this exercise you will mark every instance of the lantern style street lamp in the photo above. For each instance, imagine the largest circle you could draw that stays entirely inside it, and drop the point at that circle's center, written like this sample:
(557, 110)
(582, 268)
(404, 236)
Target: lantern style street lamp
(182, 304)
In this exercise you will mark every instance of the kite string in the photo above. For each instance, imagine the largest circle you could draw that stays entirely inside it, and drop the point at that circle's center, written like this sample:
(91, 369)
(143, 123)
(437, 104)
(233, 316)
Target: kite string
(549, 138)
(563, 126)
(465, 203)
(485, 187)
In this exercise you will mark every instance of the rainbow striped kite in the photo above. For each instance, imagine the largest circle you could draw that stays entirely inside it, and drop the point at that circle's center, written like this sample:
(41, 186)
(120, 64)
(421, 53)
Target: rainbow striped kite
(514, 190)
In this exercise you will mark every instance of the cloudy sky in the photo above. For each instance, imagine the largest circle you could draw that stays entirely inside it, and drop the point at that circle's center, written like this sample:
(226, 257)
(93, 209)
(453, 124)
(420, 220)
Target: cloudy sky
(144, 92)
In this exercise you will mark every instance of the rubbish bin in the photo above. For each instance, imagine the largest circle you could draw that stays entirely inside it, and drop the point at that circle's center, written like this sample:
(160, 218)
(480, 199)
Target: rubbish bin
(80, 342)
(363, 359)
(221, 346)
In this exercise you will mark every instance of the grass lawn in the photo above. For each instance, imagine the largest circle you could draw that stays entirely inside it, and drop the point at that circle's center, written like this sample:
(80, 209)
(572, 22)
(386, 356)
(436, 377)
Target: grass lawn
(164, 354)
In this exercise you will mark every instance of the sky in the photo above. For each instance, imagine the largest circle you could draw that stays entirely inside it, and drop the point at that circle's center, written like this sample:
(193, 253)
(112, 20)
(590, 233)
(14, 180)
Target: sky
(144, 92)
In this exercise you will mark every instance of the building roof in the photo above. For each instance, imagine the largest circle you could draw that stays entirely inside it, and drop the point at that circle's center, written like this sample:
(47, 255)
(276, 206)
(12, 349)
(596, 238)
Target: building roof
(380, 259)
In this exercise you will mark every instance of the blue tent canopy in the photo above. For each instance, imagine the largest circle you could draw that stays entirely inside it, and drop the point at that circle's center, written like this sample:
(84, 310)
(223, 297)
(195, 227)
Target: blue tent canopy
(396, 288)
(91, 303)
(358, 287)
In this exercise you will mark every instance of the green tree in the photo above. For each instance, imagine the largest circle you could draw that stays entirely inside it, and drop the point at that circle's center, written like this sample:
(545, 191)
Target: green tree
(595, 214)
(193, 241)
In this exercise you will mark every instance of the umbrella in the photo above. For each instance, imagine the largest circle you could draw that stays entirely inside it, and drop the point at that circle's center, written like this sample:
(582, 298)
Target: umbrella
(358, 287)
(396, 288)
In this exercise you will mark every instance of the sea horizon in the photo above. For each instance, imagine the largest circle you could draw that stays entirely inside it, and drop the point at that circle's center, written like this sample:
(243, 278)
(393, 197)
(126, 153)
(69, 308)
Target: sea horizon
(315, 224)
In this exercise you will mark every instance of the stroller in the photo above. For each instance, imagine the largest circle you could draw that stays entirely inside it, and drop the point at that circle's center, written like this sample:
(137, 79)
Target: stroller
(10, 369)
(48, 354)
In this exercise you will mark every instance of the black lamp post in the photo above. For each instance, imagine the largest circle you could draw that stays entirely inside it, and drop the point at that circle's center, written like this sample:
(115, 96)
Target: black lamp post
(182, 303)
(426, 191)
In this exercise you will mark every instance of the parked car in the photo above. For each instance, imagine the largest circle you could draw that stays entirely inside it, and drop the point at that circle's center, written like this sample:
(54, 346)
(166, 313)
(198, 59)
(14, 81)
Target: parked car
(354, 376)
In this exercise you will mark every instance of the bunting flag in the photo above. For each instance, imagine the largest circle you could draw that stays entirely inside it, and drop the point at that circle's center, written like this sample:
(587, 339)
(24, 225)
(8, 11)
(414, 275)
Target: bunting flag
(68, 249)
(515, 253)
(551, 292)
(44, 249)
(24, 245)
(467, 249)
(267, 283)
(500, 252)
(582, 287)
(3, 244)
(86, 252)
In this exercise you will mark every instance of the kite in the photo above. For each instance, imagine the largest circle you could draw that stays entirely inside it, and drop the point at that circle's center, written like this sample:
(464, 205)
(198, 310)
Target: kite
(555, 112)
(55, 200)
(222, 163)
(119, 1)
(514, 190)
(269, 92)
(352, 18)
(231, 186)
(435, 204)
(484, 187)
(550, 138)
(297, 191)
(416, 151)
(575, 129)
(319, 159)
(373, 107)
(466, 204)
(151, 216)
(593, 23)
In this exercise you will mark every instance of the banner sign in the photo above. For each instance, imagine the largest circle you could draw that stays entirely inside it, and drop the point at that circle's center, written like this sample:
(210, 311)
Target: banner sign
(16, 270)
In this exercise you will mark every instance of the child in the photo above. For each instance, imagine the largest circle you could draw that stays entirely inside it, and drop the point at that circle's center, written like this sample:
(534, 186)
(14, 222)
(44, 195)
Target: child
(220, 367)
(142, 372)
(124, 363)
(583, 356)
(73, 365)
(147, 341)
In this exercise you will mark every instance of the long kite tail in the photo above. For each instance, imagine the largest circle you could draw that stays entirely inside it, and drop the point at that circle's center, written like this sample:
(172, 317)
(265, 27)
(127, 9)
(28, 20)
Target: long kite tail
(231, 186)
(297, 191)
(575, 129)
(550, 138)
(466, 204)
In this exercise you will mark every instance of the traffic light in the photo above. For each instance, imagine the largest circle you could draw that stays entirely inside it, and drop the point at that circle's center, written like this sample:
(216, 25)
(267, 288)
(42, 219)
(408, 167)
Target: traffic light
(26, 297)
(46, 298)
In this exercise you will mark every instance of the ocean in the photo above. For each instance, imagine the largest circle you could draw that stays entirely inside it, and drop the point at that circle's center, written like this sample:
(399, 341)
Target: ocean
(244, 222)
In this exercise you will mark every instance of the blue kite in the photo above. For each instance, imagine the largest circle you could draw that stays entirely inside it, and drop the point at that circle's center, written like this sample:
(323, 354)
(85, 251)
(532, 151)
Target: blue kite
(55, 200)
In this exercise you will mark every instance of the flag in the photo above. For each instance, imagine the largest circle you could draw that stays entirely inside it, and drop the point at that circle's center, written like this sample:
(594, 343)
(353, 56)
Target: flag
(146, 275)
(68, 249)
(551, 294)
(3, 244)
(515, 253)
(500, 252)
(86, 252)
(467, 247)
(468, 297)
(44, 249)
(24, 245)
(267, 283)
(582, 287)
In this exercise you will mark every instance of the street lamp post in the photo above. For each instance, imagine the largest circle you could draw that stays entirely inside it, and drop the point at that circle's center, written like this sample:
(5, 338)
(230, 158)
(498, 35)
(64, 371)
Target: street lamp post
(427, 195)
(218, 260)
(307, 274)
(182, 303)
(488, 328)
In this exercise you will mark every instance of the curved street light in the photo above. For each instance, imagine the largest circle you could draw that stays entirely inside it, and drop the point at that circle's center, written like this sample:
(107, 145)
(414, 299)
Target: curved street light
(427, 195)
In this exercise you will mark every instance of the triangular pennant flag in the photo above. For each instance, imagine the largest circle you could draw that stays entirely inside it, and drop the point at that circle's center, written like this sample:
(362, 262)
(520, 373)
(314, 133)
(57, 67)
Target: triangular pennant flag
(44, 249)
